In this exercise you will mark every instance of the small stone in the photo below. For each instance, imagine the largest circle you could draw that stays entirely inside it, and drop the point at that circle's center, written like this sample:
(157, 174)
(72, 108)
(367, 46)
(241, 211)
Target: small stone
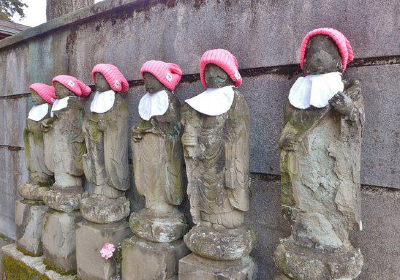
(103, 210)
(90, 238)
(194, 267)
(59, 239)
(220, 244)
(29, 223)
(146, 260)
(166, 228)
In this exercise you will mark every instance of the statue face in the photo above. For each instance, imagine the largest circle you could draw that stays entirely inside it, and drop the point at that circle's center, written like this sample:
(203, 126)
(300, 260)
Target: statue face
(216, 77)
(62, 91)
(322, 56)
(151, 83)
(36, 98)
(101, 82)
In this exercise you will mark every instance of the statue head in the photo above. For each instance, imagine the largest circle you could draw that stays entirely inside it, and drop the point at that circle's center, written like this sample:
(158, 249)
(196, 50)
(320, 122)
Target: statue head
(101, 82)
(62, 91)
(322, 56)
(36, 98)
(152, 84)
(216, 77)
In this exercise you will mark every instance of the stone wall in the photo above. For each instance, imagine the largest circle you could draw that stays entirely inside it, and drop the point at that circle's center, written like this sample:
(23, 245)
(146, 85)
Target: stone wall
(265, 35)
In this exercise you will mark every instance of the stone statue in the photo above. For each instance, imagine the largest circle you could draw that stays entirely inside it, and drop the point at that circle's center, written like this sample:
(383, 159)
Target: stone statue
(106, 166)
(216, 150)
(35, 139)
(69, 144)
(157, 157)
(106, 162)
(320, 150)
(38, 142)
(158, 170)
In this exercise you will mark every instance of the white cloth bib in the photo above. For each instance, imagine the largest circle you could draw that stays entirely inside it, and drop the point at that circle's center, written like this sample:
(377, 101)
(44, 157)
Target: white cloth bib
(59, 104)
(315, 90)
(102, 101)
(213, 101)
(153, 104)
(38, 112)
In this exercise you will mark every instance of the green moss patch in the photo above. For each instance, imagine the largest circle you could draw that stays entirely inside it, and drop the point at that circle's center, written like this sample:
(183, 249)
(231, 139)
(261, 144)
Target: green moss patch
(13, 269)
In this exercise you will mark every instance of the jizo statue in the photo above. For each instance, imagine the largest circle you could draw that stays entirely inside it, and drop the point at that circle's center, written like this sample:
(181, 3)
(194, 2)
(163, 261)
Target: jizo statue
(106, 163)
(69, 144)
(320, 151)
(216, 151)
(157, 156)
(38, 142)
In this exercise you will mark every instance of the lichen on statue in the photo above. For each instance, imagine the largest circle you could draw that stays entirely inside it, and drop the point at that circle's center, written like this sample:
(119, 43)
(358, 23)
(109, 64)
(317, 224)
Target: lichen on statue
(38, 144)
(106, 133)
(320, 152)
(216, 151)
(157, 156)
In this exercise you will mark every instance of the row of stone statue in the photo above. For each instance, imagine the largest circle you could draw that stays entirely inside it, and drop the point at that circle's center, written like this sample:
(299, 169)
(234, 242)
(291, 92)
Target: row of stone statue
(320, 149)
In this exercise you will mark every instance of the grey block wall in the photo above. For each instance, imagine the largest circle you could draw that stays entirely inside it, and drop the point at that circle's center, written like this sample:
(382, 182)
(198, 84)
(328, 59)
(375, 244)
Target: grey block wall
(265, 35)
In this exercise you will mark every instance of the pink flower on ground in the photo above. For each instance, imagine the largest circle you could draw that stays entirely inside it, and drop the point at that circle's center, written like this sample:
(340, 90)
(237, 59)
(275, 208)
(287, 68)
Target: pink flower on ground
(107, 251)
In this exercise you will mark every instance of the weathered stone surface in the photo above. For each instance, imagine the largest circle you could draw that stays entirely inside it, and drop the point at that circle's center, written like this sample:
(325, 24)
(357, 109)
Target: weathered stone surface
(194, 267)
(32, 192)
(59, 239)
(63, 200)
(29, 222)
(57, 8)
(32, 267)
(303, 263)
(146, 260)
(220, 244)
(158, 228)
(90, 238)
(102, 210)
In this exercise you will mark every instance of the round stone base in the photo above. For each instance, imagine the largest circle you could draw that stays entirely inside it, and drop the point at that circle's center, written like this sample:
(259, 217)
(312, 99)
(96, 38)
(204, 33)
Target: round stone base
(158, 227)
(102, 210)
(299, 262)
(64, 200)
(32, 192)
(220, 244)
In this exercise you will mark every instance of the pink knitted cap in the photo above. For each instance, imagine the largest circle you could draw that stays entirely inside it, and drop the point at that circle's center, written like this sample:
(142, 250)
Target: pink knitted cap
(114, 77)
(46, 92)
(73, 84)
(169, 74)
(223, 59)
(345, 49)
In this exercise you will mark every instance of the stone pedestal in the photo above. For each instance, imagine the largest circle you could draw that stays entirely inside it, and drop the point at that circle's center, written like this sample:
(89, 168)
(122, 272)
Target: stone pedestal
(90, 238)
(301, 262)
(29, 222)
(194, 267)
(59, 240)
(147, 260)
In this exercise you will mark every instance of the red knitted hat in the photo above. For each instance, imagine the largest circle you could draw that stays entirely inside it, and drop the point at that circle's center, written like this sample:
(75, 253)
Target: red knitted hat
(46, 92)
(114, 77)
(223, 59)
(168, 74)
(345, 49)
(73, 84)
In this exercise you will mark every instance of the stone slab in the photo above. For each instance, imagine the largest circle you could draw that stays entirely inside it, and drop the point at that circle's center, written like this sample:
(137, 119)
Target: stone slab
(90, 238)
(19, 265)
(29, 222)
(59, 240)
(193, 267)
(146, 260)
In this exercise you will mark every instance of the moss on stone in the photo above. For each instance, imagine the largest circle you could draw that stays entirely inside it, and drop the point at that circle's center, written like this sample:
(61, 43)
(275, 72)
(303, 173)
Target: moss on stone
(27, 253)
(50, 266)
(14, 269)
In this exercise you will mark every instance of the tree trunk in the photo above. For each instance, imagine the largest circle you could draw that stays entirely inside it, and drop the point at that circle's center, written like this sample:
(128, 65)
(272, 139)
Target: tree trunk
(58, 8)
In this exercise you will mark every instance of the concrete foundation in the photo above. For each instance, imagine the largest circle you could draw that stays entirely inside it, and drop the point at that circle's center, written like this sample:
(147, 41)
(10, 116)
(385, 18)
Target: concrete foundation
(29, 223)
(194, 267)
(59, 240)
(146, 260)
(90, 238)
